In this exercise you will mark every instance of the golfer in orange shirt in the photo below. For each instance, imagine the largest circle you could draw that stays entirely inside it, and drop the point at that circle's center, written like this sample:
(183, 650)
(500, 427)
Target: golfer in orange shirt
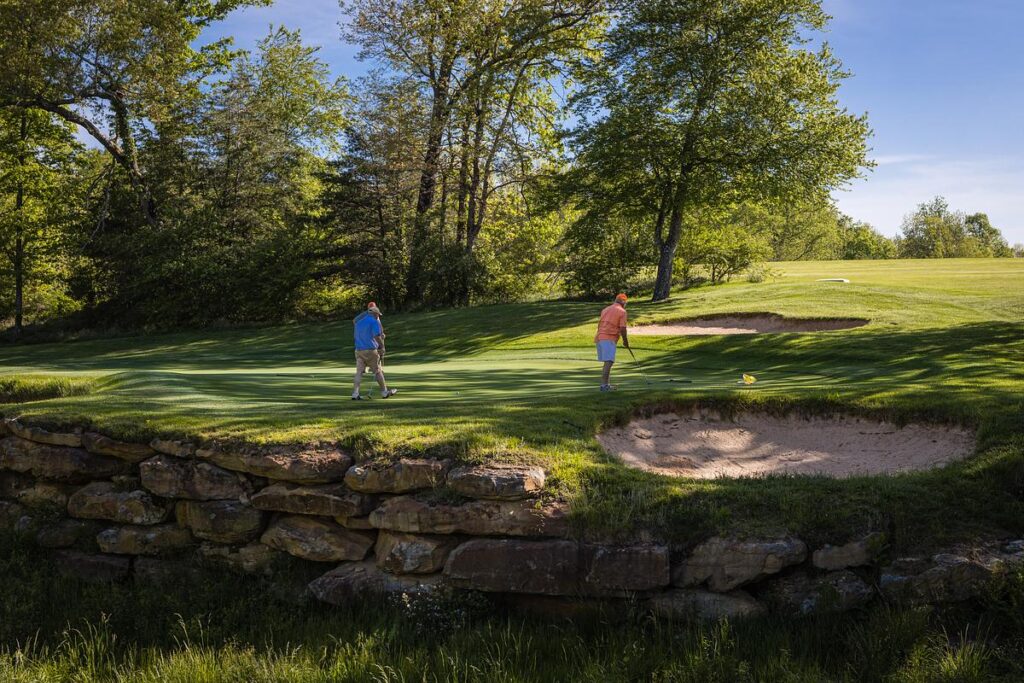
(611, 326)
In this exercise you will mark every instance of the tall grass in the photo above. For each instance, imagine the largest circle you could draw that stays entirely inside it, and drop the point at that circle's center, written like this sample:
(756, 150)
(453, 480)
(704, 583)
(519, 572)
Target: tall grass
(27, 388)
(226, 628)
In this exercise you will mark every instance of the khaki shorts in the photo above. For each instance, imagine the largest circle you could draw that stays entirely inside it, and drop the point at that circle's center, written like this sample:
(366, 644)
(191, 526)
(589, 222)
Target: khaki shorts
(368, 360)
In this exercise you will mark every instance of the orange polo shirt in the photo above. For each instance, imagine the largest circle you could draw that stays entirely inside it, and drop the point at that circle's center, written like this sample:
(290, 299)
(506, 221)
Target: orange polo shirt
(612, 319)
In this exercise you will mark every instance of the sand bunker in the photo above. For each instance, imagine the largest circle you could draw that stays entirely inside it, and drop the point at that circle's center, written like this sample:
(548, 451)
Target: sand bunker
(765, 323)
(705, 446)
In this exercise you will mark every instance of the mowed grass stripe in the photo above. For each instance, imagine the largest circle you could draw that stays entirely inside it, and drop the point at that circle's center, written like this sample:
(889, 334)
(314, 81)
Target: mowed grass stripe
(518, 382)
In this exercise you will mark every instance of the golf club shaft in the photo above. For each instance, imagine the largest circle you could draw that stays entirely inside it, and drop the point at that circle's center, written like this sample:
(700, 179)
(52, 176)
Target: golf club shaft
(638, 366)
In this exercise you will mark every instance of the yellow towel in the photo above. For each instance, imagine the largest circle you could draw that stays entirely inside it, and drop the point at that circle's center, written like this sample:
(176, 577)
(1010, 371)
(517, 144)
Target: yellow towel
(748, 379)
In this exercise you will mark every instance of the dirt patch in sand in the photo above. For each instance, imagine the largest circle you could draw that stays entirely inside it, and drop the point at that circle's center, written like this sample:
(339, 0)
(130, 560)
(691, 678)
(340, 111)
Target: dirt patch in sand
(706, 446)
(761, 323)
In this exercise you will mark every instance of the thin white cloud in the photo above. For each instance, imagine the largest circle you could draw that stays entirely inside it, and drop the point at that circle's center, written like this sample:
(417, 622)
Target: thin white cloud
(992, 186)
(892, 159)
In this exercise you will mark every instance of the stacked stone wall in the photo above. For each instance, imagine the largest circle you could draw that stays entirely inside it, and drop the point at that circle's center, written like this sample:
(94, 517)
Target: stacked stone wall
(112, 511)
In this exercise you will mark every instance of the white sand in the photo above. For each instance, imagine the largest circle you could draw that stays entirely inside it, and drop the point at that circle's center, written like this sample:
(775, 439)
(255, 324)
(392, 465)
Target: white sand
(745, 324)
(704, 446)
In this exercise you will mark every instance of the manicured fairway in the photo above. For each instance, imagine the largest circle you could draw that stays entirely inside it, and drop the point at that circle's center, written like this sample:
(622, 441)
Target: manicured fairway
(519, 382)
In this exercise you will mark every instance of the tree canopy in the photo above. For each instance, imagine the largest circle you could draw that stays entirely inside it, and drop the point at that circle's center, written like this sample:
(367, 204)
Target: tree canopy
(153, 177)
(710, 102)
(936, 231)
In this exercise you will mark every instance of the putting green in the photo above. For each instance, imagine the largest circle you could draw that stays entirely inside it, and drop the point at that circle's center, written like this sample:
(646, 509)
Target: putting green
(503, 378)
(949, 324)
(519, 382)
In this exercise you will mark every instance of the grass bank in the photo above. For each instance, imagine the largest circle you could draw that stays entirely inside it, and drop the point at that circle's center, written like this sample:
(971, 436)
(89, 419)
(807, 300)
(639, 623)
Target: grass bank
(215, 628)
(945, 343)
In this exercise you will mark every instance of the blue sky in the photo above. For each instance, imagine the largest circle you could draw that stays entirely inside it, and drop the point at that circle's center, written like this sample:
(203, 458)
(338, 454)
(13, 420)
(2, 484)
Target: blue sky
(942, 82)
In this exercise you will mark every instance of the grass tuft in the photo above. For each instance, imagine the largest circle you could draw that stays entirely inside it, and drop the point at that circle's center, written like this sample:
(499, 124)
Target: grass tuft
(29, 388)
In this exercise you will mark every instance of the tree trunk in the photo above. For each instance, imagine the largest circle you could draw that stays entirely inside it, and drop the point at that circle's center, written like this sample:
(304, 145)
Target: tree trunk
(443, 208)
(474, 217)
(147, 204)
(439, 111)
(19, 233)
(667, 246)
(19, 282)
(663, 283)
(460, 224)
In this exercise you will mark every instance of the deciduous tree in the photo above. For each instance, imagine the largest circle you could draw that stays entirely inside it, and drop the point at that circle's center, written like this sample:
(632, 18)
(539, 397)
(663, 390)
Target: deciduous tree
(475, 61)
(708, 102)
(116, 69)
(37, 169)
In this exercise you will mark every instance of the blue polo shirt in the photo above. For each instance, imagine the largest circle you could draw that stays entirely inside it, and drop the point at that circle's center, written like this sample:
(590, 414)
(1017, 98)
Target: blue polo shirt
(367, 327)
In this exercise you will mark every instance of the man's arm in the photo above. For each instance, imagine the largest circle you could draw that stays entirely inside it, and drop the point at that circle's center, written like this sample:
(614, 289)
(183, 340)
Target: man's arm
(625, 337)
(379, 338)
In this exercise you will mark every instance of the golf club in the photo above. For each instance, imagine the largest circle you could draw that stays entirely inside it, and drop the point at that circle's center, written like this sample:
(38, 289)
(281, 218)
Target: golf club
(638, 366)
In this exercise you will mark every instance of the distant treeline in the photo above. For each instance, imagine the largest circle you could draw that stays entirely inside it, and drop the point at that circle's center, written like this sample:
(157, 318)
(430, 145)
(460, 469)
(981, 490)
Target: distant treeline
(493, 150)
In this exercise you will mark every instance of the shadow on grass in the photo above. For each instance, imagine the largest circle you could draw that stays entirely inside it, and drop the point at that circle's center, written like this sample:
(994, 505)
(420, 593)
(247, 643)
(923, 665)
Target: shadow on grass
(549, 414)
(440, 334)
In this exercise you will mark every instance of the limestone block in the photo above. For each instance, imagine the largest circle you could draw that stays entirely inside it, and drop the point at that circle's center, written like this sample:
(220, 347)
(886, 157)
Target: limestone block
(172, 477)
(945, 577)
(400, 553)
(309, 466)
(329, 500)
(357, 523)
(317, 539)
(222, 521)
(496, 482)
(729, 563)
(404, 476)
(104, 500)
(476, 518)
(853, 554)
(42, 436)
(33, 494)
(103, 445)
(515, 566)
(357, 580)
(614, 569)
(61, 463)
(179, 449)
(144, 540)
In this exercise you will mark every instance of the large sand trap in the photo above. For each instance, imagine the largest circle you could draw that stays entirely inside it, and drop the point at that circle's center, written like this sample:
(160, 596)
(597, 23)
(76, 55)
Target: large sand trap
(761, 323)
(704, 446)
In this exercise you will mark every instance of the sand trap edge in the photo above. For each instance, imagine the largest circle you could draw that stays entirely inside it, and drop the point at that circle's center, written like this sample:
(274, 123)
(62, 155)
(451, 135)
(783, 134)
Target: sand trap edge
(704, 444)
(746, 323)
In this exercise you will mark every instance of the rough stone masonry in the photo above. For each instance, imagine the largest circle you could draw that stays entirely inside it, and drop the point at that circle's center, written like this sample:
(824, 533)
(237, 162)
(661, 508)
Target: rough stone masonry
(117, 511)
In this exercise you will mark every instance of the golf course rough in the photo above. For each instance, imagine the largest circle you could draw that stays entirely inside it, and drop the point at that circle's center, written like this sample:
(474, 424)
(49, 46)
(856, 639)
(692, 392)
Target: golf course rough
(155, 520)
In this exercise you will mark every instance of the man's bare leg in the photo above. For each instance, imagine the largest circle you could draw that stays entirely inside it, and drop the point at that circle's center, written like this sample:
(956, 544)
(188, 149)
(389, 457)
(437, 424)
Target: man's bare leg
(607, 372)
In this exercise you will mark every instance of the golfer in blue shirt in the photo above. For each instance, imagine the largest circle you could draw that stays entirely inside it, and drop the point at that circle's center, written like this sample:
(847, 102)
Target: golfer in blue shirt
(369, 338)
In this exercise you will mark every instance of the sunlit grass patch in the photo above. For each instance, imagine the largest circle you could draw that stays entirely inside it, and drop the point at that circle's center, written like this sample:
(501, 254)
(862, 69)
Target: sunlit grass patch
(29, 388)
